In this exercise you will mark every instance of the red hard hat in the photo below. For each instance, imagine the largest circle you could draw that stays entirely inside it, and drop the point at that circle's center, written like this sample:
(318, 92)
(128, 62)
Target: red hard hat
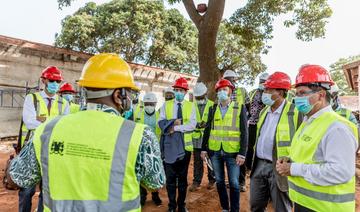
(181, 83)
(309, 74)
(52, 73)
(67, 87)
(223, 83)
(278, 80)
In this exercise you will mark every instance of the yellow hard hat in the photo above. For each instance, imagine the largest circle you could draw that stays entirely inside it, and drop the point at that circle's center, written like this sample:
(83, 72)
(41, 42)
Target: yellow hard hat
(107, 71)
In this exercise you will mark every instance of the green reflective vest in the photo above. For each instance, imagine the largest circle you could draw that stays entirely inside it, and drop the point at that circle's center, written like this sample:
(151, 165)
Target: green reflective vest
(225, 131)
(140, 118)
(87, 162)
(74, 107)
(285, 128)
(346, 113)
(303, 148)
(57, 108)
(198, 132)
(186, 114)
(241, 95)
(137, 109)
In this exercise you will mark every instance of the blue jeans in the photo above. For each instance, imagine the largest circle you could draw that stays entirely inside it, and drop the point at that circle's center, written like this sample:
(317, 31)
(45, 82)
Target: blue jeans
(218, 159)
(25, 199)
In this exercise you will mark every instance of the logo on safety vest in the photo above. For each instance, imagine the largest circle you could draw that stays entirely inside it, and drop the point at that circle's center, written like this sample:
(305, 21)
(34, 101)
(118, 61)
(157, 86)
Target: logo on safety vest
(306, 138)
(57, 147)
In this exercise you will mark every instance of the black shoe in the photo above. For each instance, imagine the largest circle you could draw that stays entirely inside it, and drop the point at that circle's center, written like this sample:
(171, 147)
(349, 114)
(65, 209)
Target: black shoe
(156, 199)
(171, 210)
(183, 209)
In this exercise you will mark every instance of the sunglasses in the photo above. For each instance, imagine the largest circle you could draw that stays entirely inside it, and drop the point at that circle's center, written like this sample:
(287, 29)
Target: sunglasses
(58, 81)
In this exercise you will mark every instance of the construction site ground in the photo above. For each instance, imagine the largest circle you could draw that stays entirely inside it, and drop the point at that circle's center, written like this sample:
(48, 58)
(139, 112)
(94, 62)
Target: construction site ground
(200, 200)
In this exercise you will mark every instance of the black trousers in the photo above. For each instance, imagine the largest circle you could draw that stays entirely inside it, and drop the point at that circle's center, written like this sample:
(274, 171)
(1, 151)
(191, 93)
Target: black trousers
(143, 192)
(250, 150)
(300, 208)
(199, 169)
(176, 179)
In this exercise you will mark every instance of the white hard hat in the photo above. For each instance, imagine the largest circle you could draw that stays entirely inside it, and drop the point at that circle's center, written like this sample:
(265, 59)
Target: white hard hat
(200, 89)
(264, 76)
(169, 90)
(150, 97)
(230, 73)
(334, 89)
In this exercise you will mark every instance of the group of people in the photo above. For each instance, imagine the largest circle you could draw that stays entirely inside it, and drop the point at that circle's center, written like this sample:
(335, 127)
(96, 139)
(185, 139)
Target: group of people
(297, 141)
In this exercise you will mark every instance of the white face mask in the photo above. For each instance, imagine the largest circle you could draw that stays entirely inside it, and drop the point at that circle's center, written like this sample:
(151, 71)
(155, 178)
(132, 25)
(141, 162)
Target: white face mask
(201, 101)
(149, 109)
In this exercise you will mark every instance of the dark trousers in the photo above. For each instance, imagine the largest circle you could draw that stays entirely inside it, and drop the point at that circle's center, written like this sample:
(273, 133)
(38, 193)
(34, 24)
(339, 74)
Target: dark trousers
(143, 193)
(250, 150)
(199, 169)
(176, 178)
(25, 199)
(242, 175)
(300, 208)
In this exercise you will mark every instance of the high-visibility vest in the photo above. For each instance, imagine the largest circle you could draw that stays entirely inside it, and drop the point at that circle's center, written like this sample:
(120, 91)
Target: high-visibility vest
(87, 162)
(140, 118)
(285, 128)
(225, 131)
(346, 113)
(74, 108)
(57, 108)
(240, 95)
(305, 143)
(186, 114)
(137, 110)
(197, 134)
(252, 94)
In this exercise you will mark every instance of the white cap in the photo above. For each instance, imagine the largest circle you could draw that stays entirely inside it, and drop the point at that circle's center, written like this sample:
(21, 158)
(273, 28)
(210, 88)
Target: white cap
(334, 89)
(169, 90)
(200, 89)
(150, 97)
(264, 76)
(230, 73)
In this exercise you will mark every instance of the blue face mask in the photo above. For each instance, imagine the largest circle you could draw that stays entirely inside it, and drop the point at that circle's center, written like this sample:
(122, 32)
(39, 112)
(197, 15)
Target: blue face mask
(303, 104)
(266, 99)
(52, 87)
(127, 114)
(68, 97)
(222, 96)
(179, 96)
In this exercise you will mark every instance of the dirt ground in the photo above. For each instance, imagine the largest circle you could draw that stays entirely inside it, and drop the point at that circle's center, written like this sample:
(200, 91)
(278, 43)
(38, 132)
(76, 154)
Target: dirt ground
(203, 200)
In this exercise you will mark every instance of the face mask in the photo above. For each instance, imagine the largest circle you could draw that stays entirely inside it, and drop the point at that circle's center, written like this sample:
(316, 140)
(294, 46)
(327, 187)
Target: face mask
(266, 99)
(68, 97)
(149, 109)
(222, 96)
(179, 96)
(261, 87)
(201, 101)
(303, 104)
(52, 87)
(128, 113)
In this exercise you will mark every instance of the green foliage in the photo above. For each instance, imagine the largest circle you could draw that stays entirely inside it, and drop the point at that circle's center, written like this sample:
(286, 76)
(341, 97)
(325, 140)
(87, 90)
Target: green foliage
(337, 74)
(140, 31)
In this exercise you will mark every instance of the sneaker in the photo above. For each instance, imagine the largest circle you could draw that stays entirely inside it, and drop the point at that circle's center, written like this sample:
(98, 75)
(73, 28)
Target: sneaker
(194, 187)
(210, 185)
(242, 188)
(156, 199)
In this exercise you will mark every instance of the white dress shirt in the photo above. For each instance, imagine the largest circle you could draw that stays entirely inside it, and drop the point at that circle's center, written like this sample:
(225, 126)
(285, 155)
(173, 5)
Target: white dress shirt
(29, 113)
(265, 144)
(335, 155)
(180, 128)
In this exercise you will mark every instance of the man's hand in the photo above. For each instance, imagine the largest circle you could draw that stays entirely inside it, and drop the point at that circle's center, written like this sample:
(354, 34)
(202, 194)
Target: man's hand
(203, 154)
(240, 160)
(283, 166)
(177, 122)
(42, 119)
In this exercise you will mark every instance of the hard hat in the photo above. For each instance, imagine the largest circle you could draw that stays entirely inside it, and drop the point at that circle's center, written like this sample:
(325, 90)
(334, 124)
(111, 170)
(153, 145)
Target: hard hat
(223, 83)
(200, 89)
(181, 83)
(278, 80)
(264, 77)
(52, 73)
(169, 90)
(107, 71)
(334, 89)
(230, 73)
(138, 84)
(150, 97)
(309, 74)
(67, 87)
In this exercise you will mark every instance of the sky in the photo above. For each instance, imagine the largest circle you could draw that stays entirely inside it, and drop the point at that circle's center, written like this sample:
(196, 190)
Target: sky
(39, 20)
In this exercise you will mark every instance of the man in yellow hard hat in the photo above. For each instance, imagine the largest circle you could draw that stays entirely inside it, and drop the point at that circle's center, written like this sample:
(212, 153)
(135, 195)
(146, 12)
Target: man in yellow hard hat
(94, 160)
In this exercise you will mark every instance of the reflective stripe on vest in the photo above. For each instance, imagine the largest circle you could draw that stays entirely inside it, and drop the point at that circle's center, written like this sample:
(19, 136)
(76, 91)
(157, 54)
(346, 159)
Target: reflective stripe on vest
(225, 131)
(201, 118)
(118, 182)
(305, 144)
(285, 128)
(186, 114)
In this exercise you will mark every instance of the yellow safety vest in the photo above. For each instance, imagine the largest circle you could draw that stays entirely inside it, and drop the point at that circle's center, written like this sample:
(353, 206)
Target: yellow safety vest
(225, 131)
(303, 148)
(186, 114)
(240, 95)
(57, 108)
(285, 128)
(74, 108)
(138, 108)
(87, 162)
(140, 118)
(346, 113)
(204, 118)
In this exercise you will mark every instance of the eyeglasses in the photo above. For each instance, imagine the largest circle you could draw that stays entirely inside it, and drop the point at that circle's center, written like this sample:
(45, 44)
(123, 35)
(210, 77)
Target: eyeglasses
(304, 93)
(57, 81)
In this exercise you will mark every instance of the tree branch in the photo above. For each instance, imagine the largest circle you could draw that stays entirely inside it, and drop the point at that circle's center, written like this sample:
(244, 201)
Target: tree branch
(214, 13)
(191, 10)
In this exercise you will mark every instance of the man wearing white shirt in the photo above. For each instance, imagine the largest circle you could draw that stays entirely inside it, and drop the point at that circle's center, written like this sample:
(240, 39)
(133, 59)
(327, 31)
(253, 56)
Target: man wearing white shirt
(38, 107)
